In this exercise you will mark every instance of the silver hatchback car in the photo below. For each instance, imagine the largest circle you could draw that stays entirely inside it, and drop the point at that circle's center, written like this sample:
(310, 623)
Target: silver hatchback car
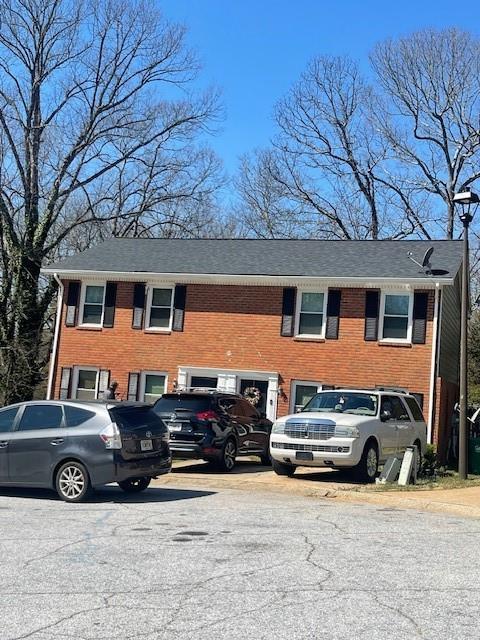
(74, 446)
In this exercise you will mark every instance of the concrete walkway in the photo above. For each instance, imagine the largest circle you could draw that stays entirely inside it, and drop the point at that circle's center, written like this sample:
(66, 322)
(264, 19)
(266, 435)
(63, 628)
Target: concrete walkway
(249, 475)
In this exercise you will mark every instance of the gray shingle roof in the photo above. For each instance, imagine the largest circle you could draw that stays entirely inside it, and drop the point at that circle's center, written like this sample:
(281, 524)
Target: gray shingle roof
(311, 258)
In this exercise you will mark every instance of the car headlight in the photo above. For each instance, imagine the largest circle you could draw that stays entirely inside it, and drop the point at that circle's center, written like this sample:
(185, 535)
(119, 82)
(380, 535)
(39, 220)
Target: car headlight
(278, 427)
(342, 431)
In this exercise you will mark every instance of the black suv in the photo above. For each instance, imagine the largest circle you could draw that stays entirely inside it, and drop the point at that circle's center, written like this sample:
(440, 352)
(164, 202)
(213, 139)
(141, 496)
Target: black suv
(214, 426)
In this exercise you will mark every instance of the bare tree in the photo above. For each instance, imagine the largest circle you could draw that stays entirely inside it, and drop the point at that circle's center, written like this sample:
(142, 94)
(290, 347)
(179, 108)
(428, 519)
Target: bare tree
(431, 113)
(328, 173)
(94, 103)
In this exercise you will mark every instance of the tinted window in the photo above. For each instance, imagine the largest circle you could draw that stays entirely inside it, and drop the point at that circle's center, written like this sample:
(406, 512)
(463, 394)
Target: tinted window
(232, 406)
(7, 419)
(75, 416)
(395, 406)
(169, 403)
(414, 409)
(135, 417)
(41, 416)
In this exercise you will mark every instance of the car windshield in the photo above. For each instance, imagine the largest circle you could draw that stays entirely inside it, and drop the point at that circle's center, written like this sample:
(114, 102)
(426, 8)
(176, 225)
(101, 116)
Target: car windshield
(362, 404)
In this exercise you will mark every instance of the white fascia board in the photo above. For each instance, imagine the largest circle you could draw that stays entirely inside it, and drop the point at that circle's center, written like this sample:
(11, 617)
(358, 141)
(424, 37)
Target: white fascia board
(250, 280)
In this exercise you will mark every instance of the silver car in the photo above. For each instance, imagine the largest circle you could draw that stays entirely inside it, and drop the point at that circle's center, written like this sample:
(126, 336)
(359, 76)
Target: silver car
(75, 446)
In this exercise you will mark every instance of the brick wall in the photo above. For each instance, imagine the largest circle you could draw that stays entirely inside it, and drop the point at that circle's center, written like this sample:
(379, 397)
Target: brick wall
(234, 327)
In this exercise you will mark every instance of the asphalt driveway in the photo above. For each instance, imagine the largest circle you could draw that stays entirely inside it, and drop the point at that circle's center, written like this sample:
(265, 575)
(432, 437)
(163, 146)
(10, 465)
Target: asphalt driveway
(193, 563)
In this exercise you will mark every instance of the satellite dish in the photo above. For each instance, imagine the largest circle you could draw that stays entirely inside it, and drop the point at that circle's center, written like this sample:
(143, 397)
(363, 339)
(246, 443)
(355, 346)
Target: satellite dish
(426, 257)
(425, 264)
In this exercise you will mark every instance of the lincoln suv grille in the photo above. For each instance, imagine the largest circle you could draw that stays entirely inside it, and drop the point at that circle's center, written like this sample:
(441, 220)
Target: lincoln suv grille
(310, 428)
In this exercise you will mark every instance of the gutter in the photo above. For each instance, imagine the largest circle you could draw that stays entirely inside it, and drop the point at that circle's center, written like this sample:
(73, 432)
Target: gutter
(249, 279)
(53, 356)
(433, 367)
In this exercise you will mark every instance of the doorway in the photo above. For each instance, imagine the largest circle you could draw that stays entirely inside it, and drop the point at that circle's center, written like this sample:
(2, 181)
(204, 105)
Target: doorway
(262, 386)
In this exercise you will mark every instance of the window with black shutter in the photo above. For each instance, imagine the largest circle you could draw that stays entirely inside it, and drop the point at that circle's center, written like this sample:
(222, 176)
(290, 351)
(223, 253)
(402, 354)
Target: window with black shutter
(333, 314)
(73, 294)
(138, 305)
(420, 307)
(179, 300)
(110, 299)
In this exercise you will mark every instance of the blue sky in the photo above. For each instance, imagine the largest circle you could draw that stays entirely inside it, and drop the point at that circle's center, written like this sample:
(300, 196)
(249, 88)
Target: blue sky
(254, 50)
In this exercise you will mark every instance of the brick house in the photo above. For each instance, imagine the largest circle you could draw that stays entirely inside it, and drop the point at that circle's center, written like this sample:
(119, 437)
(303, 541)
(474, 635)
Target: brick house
(285, 316)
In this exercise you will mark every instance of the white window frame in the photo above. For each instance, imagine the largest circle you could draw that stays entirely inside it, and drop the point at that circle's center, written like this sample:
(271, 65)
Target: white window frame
(148, 309)
(397, 292)
(143, 380)
(76, 371)
(83, 293)
(295, 383)
(314, 336)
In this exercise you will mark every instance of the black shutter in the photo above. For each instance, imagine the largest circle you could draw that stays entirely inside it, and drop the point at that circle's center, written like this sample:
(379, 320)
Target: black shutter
(110, 298)
(288, 311)
(138, 305)
(372, 304)
(132, 393)
(179, 307)
(420, 305)
(65, 383)
(333, 314)
(72, 304)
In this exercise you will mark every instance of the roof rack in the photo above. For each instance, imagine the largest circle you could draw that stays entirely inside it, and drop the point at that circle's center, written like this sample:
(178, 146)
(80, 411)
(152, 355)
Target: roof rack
(394, 389)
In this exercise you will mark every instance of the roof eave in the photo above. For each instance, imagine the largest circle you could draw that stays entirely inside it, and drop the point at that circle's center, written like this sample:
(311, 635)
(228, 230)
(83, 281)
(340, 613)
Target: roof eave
(429, 282)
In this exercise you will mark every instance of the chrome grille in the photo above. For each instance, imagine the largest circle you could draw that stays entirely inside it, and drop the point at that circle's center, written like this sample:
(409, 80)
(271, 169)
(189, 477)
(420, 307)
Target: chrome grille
(310, 429)
(325, 448)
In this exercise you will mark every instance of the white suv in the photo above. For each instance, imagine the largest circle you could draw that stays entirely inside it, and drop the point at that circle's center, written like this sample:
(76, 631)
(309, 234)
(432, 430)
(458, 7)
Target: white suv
(344, 428)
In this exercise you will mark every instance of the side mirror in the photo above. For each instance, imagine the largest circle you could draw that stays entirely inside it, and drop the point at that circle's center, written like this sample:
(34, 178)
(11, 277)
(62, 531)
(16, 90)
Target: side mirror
(385, 415)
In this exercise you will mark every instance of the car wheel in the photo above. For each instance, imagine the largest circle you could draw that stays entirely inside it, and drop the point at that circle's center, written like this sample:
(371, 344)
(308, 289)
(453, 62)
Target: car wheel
(283, 469)
(228, 455)
(366, 470)
(73, 482)
(134, 485)
(266, 459)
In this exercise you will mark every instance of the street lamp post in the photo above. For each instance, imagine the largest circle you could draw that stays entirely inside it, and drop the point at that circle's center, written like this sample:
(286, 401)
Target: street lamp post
(465, 199)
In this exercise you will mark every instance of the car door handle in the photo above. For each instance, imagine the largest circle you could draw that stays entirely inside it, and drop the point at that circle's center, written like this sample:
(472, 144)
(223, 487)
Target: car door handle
(56, 441)
(3, 444)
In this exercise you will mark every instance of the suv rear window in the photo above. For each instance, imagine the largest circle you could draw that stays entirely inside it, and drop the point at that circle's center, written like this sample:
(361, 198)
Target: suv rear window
(134, 417)
(173, 402)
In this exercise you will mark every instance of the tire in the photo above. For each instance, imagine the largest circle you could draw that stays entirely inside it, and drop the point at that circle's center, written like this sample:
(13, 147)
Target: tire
(266, 459)
(72, 482)
(366, 470)
(282, 469)
(418, 460)
(134, 485)
(227, 457)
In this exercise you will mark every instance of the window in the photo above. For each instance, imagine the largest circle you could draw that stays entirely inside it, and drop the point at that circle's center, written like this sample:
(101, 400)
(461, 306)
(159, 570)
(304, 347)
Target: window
(41, 416)
(311, 314)
(159, 309)
(414, 409)
(93, 297)
(85, 384)
(74, 416)
(153, 386)
(203, 382)
(362, 404)
(396, 322)
(395, 406)
(7, 418)
(302, 393)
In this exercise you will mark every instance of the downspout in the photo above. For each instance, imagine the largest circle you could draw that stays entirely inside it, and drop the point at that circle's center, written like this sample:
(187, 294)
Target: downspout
(53, 357)
(433, 365)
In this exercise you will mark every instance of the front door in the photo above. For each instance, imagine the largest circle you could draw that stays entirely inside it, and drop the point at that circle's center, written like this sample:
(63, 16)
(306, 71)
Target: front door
(256, 393)
(36, 444)
(7, 420)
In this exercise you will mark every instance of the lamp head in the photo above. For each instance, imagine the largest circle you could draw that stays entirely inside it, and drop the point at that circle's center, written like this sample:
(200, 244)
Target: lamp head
(466, 197)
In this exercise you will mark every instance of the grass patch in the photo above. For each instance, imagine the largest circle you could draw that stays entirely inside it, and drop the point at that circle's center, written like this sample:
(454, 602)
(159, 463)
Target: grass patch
(448, 481)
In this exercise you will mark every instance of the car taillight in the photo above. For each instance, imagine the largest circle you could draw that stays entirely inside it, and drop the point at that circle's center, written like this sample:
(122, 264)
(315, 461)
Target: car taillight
(207, 415)
(111, 437)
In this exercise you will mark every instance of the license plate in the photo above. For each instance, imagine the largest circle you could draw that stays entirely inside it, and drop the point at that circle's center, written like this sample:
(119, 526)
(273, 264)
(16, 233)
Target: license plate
(146, 445)
(304, 455)
(174, 427)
